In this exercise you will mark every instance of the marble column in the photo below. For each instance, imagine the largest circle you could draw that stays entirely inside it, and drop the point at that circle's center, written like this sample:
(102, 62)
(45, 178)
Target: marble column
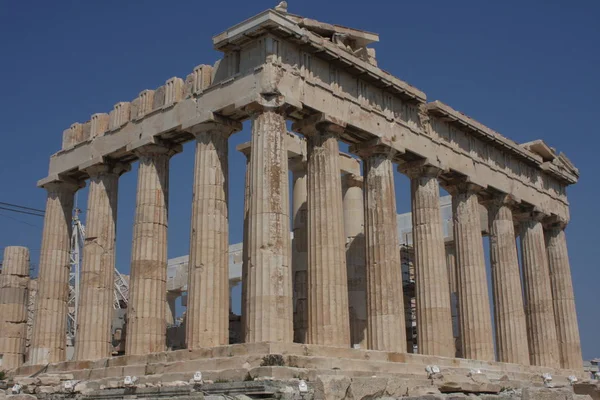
(565, 314)
(146, 325)
(328, 320)
(207, 322)
(539, 309)
(96, 300)
(14, 298)
(432, 292)
(473, 299)
(245, 149)
(171, 308)
(299, 249)
(451, 266)
(268, 302)
(354, 220)
(385, 304)
(509, 316)
(49, 339)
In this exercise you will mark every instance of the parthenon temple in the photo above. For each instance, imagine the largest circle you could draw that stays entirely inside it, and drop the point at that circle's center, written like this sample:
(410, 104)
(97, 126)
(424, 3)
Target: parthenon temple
(327, 236)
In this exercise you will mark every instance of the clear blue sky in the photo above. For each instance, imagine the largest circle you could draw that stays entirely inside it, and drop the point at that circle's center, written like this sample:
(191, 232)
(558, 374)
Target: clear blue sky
(526, 69)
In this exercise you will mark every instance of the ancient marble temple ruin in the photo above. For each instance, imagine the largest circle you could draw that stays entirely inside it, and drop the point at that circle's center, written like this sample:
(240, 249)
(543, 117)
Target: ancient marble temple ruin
(278, 68)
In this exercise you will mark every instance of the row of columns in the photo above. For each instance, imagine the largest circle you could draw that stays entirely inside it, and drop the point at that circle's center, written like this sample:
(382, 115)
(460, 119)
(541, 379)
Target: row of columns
(333, 252)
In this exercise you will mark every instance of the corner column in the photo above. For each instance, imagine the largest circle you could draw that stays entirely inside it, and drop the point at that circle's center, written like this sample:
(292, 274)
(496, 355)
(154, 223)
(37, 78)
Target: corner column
(146, 325)
(299, 249)
(541, 328)
(269, 296)
(509, 316)
(207, 313)
(434, 316)
(473, 299)
(354, 223)
(385, 304)
(565, 313)
(328, 320)
(49, 340)
(96, 300)
(14, 298)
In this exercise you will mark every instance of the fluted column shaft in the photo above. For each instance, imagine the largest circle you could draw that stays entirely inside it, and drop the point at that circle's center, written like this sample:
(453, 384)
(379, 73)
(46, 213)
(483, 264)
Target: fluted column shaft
(269, 296)
(434, 316)
(539, 311)
(565, 313)
(48, 342)
(146, 327)
(245, 251)
(354, 210)
(385, 303)
(509, 316)
(451, 266)
(14, 297)
(95, 312)
(300, 249)
(473, 299)
(208, 276)
(328, 321)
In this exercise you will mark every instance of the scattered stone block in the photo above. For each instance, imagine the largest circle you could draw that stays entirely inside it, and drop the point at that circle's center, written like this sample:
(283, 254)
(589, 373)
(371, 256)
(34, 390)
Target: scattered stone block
(535, 393)
(331, 387)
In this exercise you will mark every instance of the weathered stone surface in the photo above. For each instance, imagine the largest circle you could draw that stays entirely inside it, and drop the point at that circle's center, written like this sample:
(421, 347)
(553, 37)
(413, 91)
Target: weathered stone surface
(473, 300)
(541, 325)
(331, 387)
(48, 340)
(591, 389)
(146, 327)
(535, 393)
(451, 383)
(367, 388)
(269, 297)
(509, 315)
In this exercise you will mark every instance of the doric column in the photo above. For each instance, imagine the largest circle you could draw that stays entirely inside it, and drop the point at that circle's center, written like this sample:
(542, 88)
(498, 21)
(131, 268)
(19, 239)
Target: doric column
(473, 299)
(269, 295)
(95, 312)
(48, 342)
(509, 316)
(14, 298)
(354, 223)
(146, 328)
(245, 149)
(385, 303)
(451, 266)
(434, 317)
(207, 322)
(299, 249)
(328, 321)
(171, 312)
(565, 314)
(539, 311)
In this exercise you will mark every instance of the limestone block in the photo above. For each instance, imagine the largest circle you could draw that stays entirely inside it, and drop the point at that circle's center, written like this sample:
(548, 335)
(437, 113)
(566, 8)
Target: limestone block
(422, 390)
(158, 100)
(72, 135)
(588, 388)
(146, 102)
(331, 387)
(451, 383)
(367, 388)
(119, 116)
(173, 91)
(86, 131)
(99, 124)
(202, 77)
(537, 393)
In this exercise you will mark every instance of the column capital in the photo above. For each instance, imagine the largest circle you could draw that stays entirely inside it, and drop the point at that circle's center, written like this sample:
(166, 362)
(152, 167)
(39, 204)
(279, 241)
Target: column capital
(498, 200)
(64, 184)
(297, 164)
(462, 185)
(530, 214)
(352, 180)
(107, 167)
(421, 168)
(378, 146)
(274, 103)
(318, 124)
(217, 123)
(244, 148)
(155, 149)
(555, 222)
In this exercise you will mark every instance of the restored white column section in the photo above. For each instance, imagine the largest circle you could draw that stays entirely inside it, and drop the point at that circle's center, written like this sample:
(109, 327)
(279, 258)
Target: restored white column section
(509, 316)
(300, 248)
(95, 314)
(14, 297)
(328, 321)
(473, 299)
(146, 328)
(48, 342)
(434, 317)
(269, 295)
(207, 323)
(385, 303)
(541, 328)
(565, 313)
(354, 220)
